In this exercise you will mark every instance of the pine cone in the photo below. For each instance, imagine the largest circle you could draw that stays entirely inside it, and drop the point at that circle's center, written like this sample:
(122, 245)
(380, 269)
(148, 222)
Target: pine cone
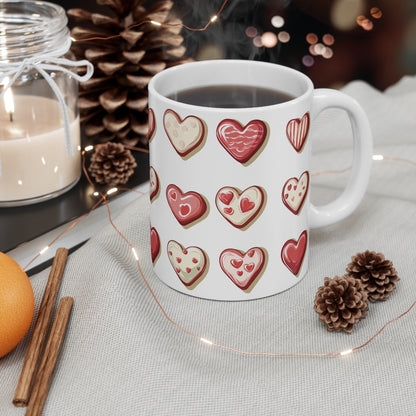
(112, 164)
(376, 274)
(341, 303)
(113, 103)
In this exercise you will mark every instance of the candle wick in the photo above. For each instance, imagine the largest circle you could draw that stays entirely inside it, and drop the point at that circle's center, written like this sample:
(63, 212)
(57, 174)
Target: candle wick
(11, 116)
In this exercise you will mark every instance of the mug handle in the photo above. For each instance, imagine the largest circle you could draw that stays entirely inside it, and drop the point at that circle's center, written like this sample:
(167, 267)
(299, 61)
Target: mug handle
(346, 203)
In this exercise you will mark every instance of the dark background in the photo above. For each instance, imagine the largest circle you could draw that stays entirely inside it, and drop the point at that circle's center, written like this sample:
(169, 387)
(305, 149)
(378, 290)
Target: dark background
(380, 52)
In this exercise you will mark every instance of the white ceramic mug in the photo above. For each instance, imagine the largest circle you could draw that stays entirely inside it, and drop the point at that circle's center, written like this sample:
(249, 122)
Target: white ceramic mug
(229, 187)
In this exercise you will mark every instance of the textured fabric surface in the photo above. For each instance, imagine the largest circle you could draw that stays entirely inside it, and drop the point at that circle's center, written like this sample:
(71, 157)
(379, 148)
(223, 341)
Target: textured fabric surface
(122, 357)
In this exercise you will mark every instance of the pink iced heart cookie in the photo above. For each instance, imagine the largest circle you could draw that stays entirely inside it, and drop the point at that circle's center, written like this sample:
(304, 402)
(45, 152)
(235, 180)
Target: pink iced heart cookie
(186, 207)
(293, 253)
(154, 244)
(294, 192)
(154, 184)
(241, 142)
(186, 135)
(239, 208)
(189, 263)
(242, 268)
(297, 131)
(151, 124)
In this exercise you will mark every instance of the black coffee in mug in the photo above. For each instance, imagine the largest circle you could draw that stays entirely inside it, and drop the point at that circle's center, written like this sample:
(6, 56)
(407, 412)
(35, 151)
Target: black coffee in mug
(230, 96)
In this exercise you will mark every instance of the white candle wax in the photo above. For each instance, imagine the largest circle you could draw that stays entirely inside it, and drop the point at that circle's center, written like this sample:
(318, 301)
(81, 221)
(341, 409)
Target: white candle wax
(32, 150)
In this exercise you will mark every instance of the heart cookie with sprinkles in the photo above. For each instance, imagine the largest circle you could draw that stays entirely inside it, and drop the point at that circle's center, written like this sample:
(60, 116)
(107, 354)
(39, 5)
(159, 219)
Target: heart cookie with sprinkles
(241, 142)
(297, 131)
(186, 207)
(294, 192)
(293, 253)
(240, 208)
(186, 135)
(242, 268)
(189, 263)
(154, 184)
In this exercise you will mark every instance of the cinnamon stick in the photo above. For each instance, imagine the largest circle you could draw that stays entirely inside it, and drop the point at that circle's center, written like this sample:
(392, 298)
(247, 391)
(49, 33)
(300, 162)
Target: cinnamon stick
(27, 376)
(47, 365)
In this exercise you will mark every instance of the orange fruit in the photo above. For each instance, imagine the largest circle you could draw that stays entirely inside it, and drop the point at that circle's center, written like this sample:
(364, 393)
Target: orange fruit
(17, 304)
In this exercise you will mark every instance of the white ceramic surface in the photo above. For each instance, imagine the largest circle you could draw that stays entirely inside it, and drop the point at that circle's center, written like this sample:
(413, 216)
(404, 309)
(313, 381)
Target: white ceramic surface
(227, 222)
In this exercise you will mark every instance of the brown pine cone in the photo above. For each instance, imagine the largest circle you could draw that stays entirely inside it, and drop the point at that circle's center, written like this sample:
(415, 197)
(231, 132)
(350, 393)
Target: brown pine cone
(113, 103)
(112, 164)
(376, 274)
(341, 303)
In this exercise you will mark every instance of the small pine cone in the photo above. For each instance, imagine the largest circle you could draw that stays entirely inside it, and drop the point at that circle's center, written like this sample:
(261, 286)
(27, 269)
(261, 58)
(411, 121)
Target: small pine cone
(112, 164)
(341, 303)
(376, 274)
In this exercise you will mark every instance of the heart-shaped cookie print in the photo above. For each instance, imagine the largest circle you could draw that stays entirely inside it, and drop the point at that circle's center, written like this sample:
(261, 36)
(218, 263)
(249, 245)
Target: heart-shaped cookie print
(294, 192)
(242, 268)
(154, 184)
(154, 244)
(189, 263)
(297, 131)
(186, 207)
(186, 135)
(293, 253)
(151, 125)
(240, 208)
(241, 142)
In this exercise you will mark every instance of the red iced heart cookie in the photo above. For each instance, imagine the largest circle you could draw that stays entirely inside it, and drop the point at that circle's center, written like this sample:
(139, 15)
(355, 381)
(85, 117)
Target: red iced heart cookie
(242, 268)
(189, 263)
(154, 244)
(241, 142)
(151, 124)
(154, 184)
(239, 208)
(294, 192)
(293, 253)
(186, 207)
(297, 131)
(185, 135)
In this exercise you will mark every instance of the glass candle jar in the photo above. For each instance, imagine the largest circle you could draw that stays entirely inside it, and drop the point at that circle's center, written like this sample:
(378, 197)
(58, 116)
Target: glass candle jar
(39, 120)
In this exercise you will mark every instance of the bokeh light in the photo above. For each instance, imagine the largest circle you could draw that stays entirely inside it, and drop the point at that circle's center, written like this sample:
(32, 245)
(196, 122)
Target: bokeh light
(328, 39)
(328, 53)
(278, 21)
(308, 60)
(344, 12)
(367, 25)
(312, 50)
(269, 39)
(311, 38)
(251, 31)
(257, 41)
(283, 36)
(376, 13)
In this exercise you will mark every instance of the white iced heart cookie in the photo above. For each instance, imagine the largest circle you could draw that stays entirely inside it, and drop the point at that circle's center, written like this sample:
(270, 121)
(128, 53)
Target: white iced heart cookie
(294, 192)
(189, 263)
(154, 184)
(240, 208)
(186, 135)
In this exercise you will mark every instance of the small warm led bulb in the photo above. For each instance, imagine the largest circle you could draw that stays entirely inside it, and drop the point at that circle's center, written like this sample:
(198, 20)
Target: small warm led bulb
(111, 191)
(44, 250)
(214, 18)
(206, 341)
(156, 23)
(88, 148)
(346, 352)
(135, 253)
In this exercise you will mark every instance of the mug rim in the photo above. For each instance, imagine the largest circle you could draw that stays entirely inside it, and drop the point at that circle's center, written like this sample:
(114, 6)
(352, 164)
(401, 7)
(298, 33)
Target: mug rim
(169, 72)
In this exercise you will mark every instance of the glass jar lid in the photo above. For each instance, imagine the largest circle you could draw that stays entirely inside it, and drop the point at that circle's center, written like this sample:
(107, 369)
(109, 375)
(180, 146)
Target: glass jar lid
(31, 28)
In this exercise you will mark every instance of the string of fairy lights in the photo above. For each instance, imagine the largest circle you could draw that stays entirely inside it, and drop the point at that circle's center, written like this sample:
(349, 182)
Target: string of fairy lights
(313, 40)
